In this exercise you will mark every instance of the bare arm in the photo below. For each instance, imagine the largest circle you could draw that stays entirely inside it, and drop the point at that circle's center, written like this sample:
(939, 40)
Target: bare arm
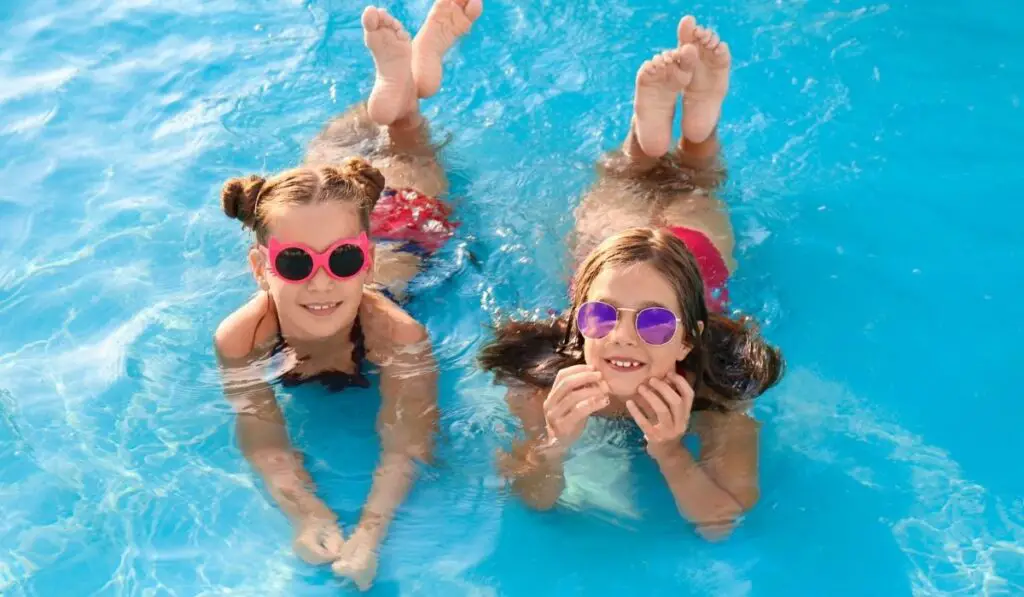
(729, 453)
(264, 442)
(663, 411)
(263, 439)
(407, 423)
(716, 490)
(534, 466)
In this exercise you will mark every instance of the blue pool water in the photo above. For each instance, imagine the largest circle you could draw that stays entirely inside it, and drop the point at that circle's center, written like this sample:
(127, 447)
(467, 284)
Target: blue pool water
(875, 188)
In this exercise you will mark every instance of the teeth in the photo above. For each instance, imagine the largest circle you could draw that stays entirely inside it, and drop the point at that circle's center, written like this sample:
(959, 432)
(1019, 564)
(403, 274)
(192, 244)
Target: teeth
(322, 306)
(624, 364)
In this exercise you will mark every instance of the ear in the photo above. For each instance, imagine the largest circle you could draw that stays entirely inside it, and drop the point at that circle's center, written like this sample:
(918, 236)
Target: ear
(685, 348)
(258, 265)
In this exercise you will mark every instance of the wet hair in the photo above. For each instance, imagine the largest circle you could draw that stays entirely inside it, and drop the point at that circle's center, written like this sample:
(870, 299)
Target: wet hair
(730, 360)
(253, 199)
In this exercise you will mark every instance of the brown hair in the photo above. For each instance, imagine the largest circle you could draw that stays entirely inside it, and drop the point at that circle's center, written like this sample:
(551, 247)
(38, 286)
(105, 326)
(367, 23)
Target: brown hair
(730, 358)
(253, 199)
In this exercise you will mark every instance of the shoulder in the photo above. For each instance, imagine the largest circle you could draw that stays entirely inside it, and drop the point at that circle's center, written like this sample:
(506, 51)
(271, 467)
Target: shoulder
(731, 425)
(252, 325)
(386, 326)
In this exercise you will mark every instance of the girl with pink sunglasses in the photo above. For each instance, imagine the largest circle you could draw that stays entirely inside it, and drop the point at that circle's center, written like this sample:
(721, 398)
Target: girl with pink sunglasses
(333, 244)
(646, 339)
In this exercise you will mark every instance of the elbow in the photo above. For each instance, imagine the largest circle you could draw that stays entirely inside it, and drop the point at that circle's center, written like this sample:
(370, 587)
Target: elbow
(747, 498)
(727, 521)
(538, 502)
(716, 532)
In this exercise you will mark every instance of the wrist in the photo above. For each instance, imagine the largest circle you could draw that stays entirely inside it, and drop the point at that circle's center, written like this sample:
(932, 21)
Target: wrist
(669, 453)
(369, 531)
(550, 453)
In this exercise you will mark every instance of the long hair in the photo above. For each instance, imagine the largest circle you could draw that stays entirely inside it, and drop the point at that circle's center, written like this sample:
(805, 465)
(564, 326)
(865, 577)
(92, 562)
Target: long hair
(730, 360)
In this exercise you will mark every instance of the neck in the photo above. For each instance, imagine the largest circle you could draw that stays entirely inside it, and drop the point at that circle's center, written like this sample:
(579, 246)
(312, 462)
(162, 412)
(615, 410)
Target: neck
(306, 344)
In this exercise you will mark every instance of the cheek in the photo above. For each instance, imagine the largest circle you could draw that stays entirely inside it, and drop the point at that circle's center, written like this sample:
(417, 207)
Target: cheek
(663, 360)
(283, 293)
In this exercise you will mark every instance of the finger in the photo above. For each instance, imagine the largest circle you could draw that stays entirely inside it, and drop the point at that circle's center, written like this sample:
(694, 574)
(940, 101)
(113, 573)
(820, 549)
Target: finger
(570, 371)
(333, 543)
(664, 416)
(567, 384)
(640, 419)
(307, 546)
(684, 388)
(671, 398)
(574, 400)
(583, 410)
(687, 394)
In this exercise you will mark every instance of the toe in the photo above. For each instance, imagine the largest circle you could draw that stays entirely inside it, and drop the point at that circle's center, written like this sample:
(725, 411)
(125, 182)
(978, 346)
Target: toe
(685, 30)
(371, 19)
(688, 56)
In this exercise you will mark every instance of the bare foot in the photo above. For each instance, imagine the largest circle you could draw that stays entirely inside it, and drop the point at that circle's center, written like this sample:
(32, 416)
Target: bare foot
(702, 99)
(448, 20)
(659, 82)
(393, 87)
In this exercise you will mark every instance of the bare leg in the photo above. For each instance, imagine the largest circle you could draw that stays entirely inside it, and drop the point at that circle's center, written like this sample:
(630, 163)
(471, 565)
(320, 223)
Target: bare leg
(632, 180)
(388, 129)
(393, 97)
(702, 101)
(702, 104)
(659, 82)
(447, 21)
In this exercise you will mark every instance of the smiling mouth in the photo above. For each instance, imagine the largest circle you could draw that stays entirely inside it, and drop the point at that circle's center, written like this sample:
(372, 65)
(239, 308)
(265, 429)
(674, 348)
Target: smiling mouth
(321, 309)
(624, 365)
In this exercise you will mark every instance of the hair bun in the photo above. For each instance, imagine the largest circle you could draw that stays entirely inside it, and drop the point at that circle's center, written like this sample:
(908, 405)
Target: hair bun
(238, 198)
(368, 178)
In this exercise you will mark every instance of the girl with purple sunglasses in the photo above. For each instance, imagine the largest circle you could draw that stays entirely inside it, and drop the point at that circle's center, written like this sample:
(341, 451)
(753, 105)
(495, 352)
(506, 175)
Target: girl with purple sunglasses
(332, 247)
(646, 338)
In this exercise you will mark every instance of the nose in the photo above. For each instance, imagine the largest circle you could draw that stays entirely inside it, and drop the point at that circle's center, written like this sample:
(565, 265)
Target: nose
(320, 282)
(624, 332)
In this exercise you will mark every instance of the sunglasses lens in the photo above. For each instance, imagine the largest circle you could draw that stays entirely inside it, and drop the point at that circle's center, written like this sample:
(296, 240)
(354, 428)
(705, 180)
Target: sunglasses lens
(656, 325)
(346, 261)
(596, 320)
(293, 264)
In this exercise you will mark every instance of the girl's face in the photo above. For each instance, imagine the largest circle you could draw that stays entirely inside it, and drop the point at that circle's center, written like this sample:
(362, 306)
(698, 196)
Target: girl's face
(624, 359)
(320, 306)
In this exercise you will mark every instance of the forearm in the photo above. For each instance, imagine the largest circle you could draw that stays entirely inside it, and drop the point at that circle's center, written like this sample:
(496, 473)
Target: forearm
(392, 481)
(537, 473)
(282, 471)
(698, 497)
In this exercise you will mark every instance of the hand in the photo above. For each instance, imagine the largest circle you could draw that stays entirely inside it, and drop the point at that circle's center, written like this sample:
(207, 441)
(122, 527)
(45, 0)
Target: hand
(318, 540)
(358, 561)
(668, 402)
(578, 392)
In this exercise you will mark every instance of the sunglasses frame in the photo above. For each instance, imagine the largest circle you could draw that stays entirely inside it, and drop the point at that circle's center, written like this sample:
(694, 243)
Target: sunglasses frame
(636, 318)
(321, 259)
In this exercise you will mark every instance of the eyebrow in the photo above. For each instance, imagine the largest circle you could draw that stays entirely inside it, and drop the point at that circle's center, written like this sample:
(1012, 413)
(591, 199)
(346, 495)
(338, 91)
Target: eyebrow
(641, 306)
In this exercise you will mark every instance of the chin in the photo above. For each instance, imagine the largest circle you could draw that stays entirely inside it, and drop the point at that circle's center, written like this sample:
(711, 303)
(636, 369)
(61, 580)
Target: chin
(315, 328)
(624, 385)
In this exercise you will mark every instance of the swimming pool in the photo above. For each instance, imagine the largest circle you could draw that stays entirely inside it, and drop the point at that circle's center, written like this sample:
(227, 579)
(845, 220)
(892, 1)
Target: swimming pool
(874, 187)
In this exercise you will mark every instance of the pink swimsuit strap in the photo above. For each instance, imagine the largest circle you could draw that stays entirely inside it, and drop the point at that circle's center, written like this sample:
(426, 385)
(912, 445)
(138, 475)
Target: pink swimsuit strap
(711, 263)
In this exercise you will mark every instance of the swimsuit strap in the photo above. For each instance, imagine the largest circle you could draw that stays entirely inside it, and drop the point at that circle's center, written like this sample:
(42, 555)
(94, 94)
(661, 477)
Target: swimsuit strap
(334, 381)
